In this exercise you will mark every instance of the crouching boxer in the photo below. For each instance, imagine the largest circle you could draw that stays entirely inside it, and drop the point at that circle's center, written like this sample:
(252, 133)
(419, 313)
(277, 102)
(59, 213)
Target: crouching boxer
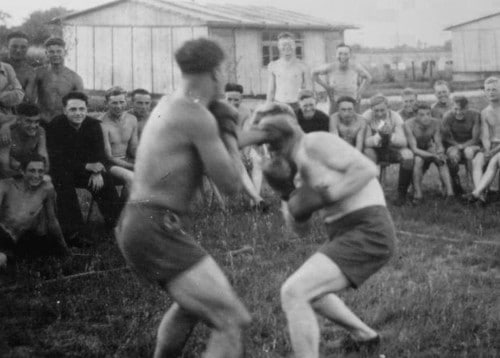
(320, 171)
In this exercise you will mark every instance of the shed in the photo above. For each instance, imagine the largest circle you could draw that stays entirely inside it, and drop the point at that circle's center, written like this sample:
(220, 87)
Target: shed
(476, 48)
(131, 43)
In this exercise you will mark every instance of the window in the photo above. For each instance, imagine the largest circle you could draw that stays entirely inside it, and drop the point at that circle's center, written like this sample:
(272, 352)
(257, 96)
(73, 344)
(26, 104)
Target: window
(270, 45)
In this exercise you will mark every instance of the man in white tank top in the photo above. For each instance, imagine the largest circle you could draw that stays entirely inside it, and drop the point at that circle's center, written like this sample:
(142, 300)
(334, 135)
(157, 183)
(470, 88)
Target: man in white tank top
(342, 78)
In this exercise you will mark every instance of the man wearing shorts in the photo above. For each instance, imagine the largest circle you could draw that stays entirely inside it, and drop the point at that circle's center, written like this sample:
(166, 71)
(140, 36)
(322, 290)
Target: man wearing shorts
(460, 132)
(490, 138)
(342, 78)
(347, 124)
(287, 75)
(385, 141)
(424, 139)
(345, 189)
(182, 141)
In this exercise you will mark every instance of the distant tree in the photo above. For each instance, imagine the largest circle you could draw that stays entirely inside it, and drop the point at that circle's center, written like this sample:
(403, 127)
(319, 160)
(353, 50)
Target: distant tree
(37, 25)
(3, 27)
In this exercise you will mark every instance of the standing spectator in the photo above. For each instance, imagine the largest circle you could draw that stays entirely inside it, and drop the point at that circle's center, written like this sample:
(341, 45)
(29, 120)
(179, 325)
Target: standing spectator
(76, 149)
(444, 103)
(141, 107)
(54, 81)
(409, 98)
(460, 131)
(18, 43)
(287, 75)
(347, 124)
(385, 141)
(343, 78)
(11, 91)
(23, 201)
(27, 138)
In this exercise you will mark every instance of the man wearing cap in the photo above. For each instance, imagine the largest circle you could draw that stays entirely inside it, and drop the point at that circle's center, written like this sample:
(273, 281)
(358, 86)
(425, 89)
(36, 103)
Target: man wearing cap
(54, 81)
(385, 141)
(311, 119)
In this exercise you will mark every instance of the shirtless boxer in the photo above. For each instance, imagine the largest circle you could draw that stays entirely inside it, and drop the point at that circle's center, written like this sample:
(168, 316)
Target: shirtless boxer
(27, 137)
(234, 95)
(444, 103)
(54, 81)
(141, 107)
(119, 129)
(182, 141)
(460, 132)
(490, 138)
(287, 75)
(22, 201)
(424, 139)
(342, 78)
(409, 98)
(385, 141)
(347, 124)
(345, 189)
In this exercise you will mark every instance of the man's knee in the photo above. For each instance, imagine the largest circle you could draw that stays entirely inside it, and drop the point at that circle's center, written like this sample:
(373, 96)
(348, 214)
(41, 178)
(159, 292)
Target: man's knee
(406, 158)
(418, 163)
(469, 153)
(453, 156)
(291, 295)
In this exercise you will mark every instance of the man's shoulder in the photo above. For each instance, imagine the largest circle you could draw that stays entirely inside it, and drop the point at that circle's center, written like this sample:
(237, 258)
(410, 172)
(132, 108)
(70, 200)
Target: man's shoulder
(6, 183)
(396, 117)
(129, 117)
(7, 67)
(322, 116)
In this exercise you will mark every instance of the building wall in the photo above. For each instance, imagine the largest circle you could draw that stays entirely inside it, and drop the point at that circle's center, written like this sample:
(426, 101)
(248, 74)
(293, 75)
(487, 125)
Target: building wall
(127, 56)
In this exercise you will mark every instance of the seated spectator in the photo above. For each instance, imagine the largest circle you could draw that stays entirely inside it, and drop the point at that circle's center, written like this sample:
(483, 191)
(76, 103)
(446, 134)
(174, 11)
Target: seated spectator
(347, 124)
(76, 150)
(444, 103)
(27, 138)
(234, 95)
(311, 119)
(490, 139)
(409, 98)
(120, 136)
(141, 108)
(424, 139)
(23, 202)
(460, 133)
(11, 91)
(385, 141)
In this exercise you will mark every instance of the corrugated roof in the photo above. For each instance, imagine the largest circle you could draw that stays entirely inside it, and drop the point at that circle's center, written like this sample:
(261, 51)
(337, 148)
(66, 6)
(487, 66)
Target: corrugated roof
(453, 27)
(232, 15)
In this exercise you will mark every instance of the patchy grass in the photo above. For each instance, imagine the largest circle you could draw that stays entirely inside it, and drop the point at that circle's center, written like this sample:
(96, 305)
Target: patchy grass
(436, 298)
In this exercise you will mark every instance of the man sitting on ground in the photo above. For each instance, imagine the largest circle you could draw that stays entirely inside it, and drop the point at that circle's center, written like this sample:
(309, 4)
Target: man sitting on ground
(22, 201)
(385, 141)
(120, 136)
(460, 132)
(54, 81)
(342, 184)
(27, 138)
(444, 103)
(141, 108)
(424, 139)
(409, 99)
(234, 96)
(309, 117)
(490, 138)
(78, 160)
(347, 124)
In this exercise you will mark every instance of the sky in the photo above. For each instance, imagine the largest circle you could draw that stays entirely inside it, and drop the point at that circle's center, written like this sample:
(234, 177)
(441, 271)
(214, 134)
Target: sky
(383, 23)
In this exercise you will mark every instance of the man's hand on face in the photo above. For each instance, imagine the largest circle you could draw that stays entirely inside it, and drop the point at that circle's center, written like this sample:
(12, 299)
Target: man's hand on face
(95, 168)
(96, 182)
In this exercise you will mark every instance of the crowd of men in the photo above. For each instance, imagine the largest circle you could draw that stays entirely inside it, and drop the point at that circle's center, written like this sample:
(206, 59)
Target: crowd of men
(50, 146)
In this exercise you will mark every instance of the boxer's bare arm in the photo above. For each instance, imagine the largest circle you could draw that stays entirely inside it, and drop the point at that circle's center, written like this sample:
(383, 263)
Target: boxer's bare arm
(217, 161)
(354, 168)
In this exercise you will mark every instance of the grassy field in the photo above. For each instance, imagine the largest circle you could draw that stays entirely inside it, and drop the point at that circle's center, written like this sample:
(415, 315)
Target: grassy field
(438, 297)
